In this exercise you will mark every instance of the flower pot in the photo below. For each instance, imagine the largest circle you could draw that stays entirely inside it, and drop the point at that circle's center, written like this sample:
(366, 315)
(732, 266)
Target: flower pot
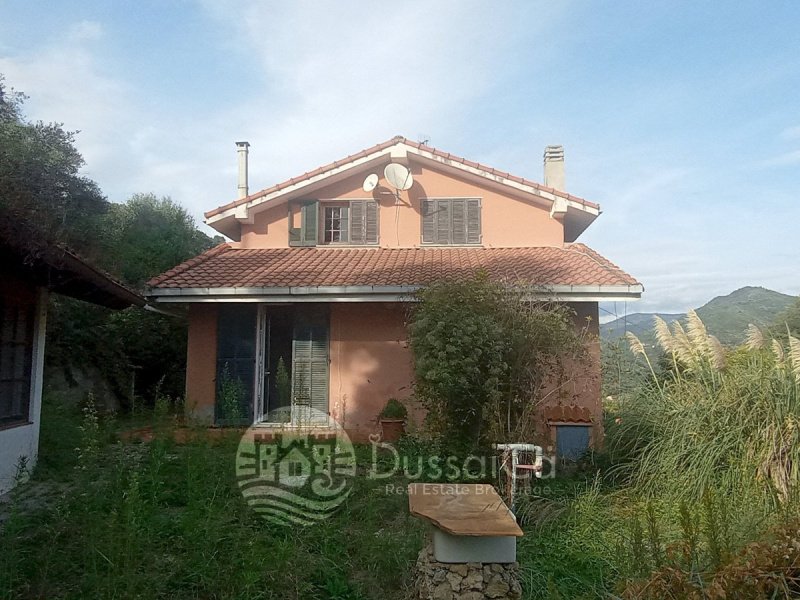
(392, 429)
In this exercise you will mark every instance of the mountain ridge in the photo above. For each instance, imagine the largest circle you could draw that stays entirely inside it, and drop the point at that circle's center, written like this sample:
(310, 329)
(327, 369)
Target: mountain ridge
(726, 317)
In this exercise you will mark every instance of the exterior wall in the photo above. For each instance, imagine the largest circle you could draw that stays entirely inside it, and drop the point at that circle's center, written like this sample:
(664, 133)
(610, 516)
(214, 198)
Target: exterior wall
(23, 440)
(370, 363)
(581, 388)
(508, 220)
(201, 362)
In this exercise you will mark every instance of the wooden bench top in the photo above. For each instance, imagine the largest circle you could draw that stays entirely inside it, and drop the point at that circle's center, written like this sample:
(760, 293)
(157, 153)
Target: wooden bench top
(473, 509)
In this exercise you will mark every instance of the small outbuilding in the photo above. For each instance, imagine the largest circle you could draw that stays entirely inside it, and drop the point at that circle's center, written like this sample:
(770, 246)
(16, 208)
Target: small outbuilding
(30, 270)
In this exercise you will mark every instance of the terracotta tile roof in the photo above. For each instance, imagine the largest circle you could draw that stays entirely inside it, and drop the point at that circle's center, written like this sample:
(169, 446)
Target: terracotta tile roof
(225, 266)
(568, 414)
(382, 146)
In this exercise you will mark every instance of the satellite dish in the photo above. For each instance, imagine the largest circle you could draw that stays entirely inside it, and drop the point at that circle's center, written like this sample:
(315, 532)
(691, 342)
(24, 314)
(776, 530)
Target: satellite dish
(398, 176)
(370, 183)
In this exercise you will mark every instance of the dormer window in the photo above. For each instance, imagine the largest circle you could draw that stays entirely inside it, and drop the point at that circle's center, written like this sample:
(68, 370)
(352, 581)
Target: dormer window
(449, 221)
(351, 222)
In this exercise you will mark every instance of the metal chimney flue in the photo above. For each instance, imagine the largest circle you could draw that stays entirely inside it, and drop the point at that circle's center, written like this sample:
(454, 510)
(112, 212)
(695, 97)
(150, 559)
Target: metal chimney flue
(554, 167)
(242, 149)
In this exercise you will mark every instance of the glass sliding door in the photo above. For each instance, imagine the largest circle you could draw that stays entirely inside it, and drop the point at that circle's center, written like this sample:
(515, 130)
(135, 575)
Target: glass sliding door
(294, 367)
(236, 364)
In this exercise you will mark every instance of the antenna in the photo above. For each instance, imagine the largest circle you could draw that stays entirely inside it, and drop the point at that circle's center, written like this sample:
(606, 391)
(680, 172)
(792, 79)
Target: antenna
(398, 176)
(370, 183)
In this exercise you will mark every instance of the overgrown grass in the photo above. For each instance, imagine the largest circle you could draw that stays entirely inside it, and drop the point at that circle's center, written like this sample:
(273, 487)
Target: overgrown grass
(162, 520)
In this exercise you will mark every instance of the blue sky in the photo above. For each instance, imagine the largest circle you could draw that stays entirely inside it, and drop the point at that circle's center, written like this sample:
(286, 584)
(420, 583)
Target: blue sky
(681, 119)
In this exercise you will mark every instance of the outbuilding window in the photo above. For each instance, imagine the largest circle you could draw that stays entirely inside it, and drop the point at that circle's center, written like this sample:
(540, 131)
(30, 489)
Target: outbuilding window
(16, 360)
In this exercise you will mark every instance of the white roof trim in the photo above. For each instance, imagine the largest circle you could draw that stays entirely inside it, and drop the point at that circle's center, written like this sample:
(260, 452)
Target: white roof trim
(497, 178)
(242, 212)
(562, 293)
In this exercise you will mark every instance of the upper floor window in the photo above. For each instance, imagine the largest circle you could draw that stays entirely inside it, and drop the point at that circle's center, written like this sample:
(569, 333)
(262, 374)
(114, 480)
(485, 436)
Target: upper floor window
(335, 224)
(350, 222)
(451, 221)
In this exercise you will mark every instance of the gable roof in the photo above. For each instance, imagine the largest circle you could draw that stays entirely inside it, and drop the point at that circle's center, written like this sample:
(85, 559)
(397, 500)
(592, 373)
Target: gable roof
(227, 218)
(571, 272)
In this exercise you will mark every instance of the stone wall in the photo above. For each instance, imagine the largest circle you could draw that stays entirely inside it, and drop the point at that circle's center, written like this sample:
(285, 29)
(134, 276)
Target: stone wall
(471, 581)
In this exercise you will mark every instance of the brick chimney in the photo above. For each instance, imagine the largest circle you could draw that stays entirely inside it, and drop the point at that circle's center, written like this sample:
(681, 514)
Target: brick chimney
(243, 148)
(554, 167)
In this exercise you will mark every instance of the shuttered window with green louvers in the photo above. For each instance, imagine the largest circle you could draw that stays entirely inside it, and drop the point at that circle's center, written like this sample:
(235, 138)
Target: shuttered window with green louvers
(451, 221)
(310, 370)
(307, 233)
(356, 223)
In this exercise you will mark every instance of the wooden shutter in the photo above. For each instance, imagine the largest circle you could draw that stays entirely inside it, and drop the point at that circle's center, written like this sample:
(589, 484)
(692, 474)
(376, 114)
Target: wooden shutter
(443, 225)
(344, 224)
(307, 233)
(310, 222)
(357, 228)
(458, 209)
(473, 221)
(428, 221)
(371, 222)
(363, 222)
(310, 366)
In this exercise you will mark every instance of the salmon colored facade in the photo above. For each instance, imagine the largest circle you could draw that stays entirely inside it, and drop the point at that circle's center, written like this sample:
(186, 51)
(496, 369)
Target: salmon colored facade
(319, 275)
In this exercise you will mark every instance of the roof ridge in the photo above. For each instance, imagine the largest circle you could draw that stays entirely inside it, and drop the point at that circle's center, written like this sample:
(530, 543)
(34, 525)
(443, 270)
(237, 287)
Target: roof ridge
(398, 139)
(188, 264)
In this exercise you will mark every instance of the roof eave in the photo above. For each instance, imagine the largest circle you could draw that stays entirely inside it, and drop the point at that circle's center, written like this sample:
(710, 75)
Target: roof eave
(559, 293)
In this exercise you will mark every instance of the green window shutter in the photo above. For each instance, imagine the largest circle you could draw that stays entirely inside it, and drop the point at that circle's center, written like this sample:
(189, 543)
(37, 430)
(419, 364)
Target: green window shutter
(306, 234)
(443, 223)
(309, 222)
(357, 228)
(428, 221)
(371, 222)
(473, 221)
(310, 366)
(458, 208)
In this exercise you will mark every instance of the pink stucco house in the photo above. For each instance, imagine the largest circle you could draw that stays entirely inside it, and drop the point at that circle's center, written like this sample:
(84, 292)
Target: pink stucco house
(319, 273)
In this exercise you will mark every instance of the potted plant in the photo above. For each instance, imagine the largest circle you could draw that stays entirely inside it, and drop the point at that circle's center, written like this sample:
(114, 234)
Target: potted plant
(393, 420)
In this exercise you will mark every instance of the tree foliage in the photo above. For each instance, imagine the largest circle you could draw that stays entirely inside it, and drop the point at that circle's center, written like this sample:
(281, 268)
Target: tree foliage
(150, 235)
(43, 196)
(483, 357)
(41, 184)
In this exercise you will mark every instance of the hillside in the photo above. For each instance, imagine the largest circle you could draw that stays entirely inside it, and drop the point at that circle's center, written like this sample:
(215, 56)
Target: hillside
(726, 317)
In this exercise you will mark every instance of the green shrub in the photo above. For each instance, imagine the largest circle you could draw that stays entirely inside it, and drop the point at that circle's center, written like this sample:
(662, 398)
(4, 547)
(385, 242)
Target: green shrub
(482, 356)
(394, 409)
